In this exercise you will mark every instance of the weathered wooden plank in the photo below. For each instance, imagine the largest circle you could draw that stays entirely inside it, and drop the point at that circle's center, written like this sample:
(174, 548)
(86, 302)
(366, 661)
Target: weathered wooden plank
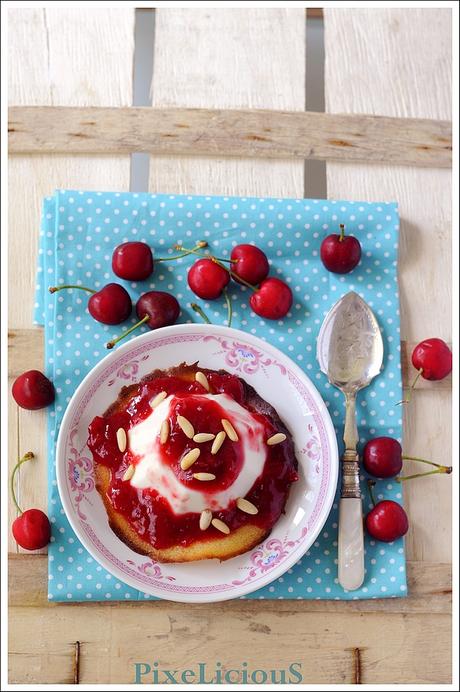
(429, 586)
(180, 638)
(377, 62)
(250, 133)
(25, 351)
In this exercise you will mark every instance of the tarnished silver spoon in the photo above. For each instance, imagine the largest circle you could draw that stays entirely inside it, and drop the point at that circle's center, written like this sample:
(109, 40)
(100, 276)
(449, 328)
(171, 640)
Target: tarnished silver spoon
(350, 353)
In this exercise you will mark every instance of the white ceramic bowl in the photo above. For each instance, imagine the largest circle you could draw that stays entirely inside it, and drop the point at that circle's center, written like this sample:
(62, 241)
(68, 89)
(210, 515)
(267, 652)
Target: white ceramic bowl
(278, 380)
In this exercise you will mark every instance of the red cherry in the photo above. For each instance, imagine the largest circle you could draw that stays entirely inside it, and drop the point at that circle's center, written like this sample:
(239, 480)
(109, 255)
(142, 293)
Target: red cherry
(272, 300)
(32, 390)
(387, 521)
(110, 305)
(162, 309)
(433, 358)
(340, 253)
(207, 279)
(132, 261)
(249, 263)
(154, 308)
(382, 457)
(32, 529)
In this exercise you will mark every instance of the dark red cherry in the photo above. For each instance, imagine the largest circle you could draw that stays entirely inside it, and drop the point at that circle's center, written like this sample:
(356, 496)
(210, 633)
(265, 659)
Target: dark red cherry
(382, 457)
(32, 390)
(340, 253)
(387, 521)
(154, 308)
(249, 263)
(433, 358)
(162, 309)
(132, 261)
(207, 279)
(272, 300)
(32, 529)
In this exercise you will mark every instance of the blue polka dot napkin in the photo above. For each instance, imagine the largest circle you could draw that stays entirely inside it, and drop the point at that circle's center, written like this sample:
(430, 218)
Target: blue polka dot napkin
(78, 234)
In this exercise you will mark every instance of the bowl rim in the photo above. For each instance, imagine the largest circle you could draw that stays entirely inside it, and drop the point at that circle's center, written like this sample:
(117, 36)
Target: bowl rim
(220, 330)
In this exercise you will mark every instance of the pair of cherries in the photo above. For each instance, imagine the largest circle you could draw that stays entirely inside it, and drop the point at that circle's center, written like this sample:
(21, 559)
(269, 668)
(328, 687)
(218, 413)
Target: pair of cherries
(271, 298)
(112, 305)
(383, 458)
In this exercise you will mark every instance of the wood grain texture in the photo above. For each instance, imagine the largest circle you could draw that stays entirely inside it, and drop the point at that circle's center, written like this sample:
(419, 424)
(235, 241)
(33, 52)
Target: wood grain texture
(25, 350)
(397, 62)
(319, 634)
(180, 638)
(57, 56)
(212, 132)
(229, 59)
(61, 57)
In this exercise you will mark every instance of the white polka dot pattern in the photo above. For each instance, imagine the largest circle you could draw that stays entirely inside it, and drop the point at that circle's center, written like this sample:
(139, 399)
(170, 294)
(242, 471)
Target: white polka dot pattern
(79, 231)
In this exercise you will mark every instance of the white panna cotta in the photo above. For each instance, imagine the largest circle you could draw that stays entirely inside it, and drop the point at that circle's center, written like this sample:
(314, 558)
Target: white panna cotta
(151, 471)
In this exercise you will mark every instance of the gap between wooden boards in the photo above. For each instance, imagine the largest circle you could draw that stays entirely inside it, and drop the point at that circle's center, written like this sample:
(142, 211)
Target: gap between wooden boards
(25, 351)
(230, 133)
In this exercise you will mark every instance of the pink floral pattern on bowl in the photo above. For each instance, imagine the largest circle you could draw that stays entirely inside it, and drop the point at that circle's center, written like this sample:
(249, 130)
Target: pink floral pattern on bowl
(151, 569)
(128, 371)
(81, 475)
(268, 555)
(243, 358)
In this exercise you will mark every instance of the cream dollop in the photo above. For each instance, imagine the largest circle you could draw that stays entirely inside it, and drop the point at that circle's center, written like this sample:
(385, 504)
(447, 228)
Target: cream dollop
(151, 472)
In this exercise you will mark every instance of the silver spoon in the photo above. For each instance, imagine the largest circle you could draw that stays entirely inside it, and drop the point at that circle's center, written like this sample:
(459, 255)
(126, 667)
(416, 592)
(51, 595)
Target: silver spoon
(350, 353)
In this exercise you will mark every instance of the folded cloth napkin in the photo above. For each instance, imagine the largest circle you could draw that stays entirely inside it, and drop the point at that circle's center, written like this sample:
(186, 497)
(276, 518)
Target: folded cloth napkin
(78, 234)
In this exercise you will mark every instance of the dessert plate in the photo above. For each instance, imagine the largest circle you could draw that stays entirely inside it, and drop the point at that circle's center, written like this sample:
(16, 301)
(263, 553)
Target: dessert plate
(278, 380)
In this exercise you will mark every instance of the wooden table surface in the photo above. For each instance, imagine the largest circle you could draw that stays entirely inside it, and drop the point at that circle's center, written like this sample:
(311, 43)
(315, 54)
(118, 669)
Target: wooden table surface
(392, 62)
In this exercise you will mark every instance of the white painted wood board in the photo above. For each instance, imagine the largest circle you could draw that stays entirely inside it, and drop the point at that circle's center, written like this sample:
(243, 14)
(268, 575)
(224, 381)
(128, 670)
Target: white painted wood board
(229, 58)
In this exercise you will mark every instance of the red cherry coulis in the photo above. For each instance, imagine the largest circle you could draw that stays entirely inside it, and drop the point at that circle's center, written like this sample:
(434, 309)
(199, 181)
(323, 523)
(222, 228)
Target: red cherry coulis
(149, 514)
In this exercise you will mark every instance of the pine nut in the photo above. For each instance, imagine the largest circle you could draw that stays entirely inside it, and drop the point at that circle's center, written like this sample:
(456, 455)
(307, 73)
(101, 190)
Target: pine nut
(246, 506)
(230, 430)
(164, 431)
(157, 399)
(220, 525)
(129, 473)
(190, 458)
(203, 437)
(276, 439)
(186, 427)
(205, 519)
(218, 442)
(121, 439)
(201, 378)
(204, 476)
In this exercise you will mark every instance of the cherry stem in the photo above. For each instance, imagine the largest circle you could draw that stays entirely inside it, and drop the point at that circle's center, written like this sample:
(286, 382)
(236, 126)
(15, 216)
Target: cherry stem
(200, 244)
(228, 300)
(423, 461)
(55, 289)
(370, 486)
(411, 389)
(111, 344)
(205, 255)
(342, 232)
(26, 457)
(200, 312)
(440, 469)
